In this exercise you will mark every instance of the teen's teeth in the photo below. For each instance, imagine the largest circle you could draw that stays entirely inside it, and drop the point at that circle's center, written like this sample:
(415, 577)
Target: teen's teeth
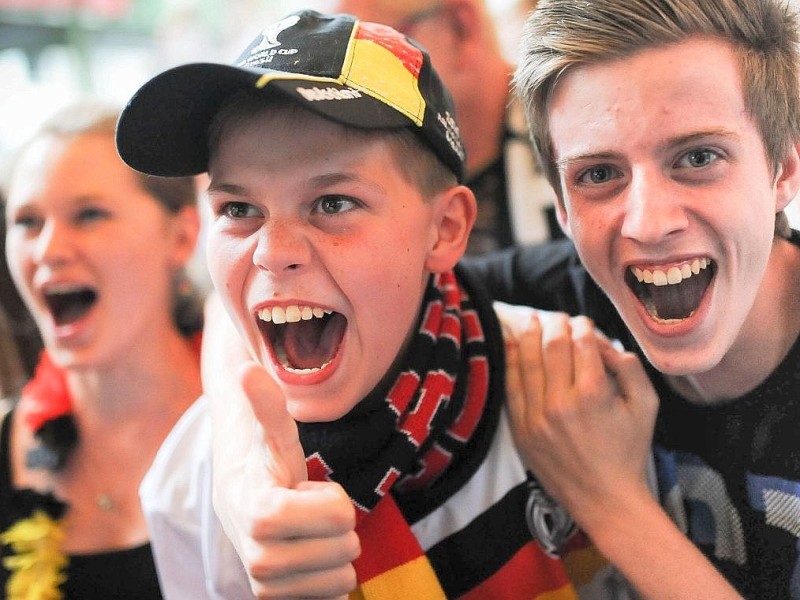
(671, 276)
(291, 314)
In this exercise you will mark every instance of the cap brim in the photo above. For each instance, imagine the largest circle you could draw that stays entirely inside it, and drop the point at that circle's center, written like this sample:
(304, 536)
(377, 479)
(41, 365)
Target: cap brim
(163, 130)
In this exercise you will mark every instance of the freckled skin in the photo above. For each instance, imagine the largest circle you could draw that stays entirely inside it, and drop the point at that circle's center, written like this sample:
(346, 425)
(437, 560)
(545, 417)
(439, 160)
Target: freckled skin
(291, 251)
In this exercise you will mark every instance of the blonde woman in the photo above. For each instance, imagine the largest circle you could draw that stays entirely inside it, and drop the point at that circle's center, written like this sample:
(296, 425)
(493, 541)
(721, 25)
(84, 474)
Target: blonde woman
(97, 251)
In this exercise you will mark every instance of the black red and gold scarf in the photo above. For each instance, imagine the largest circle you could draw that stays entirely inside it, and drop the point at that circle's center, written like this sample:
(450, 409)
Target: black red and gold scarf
(403, 436)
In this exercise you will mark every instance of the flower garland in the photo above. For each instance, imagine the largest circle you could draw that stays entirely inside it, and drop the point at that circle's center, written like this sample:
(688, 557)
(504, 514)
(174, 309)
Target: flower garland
(38, 564)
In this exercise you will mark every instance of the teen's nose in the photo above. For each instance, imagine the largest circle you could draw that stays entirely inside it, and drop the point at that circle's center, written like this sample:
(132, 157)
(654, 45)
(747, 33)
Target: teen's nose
(653, 209)
(282, 246)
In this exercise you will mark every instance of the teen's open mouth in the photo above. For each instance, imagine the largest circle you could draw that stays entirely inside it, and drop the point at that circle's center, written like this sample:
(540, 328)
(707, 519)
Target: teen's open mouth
(303, 338)
(69, 302)
(672, 294)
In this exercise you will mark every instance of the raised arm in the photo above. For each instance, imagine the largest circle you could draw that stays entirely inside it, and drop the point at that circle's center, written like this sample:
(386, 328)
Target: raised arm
(295, 537)
(582, 416)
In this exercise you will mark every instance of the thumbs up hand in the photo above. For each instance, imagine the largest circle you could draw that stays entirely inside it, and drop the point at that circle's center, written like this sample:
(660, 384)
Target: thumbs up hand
(296, 538)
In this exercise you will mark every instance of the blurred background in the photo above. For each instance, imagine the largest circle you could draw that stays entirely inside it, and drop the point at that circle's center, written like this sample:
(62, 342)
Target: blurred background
(53, 51)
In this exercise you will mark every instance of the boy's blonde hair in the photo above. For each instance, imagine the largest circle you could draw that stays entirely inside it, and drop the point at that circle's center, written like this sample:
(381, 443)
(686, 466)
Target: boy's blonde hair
(564, 34)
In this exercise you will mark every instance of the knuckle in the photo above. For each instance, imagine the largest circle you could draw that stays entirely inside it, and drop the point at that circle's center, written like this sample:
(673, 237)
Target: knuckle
(268, 566)
(351, 546)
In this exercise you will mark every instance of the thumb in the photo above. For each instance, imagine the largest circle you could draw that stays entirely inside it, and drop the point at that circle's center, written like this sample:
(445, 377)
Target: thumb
(284, 456)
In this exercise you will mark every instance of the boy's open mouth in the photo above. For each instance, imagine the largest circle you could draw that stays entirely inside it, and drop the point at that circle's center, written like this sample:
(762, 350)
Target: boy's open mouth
(303, 338)
(68, 303)
(672, 294)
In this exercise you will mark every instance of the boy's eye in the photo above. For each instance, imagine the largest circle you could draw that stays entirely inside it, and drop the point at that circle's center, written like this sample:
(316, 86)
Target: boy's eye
(239, 210)
(697, 158)
(598, 174)
(335, 204)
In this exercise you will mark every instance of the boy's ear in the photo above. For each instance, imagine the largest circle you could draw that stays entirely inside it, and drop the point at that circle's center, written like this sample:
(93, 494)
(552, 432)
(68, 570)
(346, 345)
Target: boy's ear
(787, 182)
(563, 217)
(456, 210)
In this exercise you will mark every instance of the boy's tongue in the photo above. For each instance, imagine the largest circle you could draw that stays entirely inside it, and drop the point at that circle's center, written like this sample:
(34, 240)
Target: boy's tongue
(310, 344)
(675, 301)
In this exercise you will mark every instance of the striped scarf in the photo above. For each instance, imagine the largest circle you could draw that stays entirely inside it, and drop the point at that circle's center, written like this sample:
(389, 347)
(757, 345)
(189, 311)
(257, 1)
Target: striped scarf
(403, 437)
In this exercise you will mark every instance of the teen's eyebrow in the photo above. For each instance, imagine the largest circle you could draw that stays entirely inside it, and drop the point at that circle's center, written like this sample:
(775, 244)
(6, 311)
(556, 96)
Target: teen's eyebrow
(330, 179)
(319, 181)
(225, 188)
(681, 140)
(563, 163)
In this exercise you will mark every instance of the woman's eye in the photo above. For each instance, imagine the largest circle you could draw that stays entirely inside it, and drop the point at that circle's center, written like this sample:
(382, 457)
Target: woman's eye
(29, 222)
(239, 210)
(90, 214)
(598, 174)
(332, 205)
(698, 158)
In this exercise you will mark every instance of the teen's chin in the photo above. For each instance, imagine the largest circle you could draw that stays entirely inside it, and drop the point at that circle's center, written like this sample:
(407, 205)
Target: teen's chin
(685, 347)
(320, 408)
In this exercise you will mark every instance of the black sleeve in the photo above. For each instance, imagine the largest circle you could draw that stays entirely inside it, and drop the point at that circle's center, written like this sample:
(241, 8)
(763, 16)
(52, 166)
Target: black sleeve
(549, 276)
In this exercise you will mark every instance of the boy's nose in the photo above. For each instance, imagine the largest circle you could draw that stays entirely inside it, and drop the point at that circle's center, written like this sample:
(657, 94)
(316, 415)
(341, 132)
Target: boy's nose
(653, 210)
(282, 246)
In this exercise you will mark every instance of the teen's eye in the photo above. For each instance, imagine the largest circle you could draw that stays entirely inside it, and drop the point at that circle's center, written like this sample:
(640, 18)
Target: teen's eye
(239, 210)
(697, 158)
(598, 174)
(335, 204)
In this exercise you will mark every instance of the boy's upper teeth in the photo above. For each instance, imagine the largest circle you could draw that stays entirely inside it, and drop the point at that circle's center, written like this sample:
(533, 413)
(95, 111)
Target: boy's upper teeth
(291, 314)
(672, 275)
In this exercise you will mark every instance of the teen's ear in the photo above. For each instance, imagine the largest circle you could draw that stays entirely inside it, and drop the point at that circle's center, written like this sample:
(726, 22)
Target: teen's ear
(456, 210)
(787, 182)
(184, 229)
(563, 216)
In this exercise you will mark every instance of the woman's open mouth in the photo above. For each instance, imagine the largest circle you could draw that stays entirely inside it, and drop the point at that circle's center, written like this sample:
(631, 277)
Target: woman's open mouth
(68, 303)
(675, 293)
(303, 339)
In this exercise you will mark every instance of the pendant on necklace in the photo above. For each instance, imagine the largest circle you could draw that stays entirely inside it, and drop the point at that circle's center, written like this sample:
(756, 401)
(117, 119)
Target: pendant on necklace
(104, 502)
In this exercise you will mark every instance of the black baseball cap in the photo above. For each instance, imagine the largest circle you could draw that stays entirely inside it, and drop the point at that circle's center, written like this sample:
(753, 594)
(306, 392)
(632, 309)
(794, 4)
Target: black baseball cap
(352, 72)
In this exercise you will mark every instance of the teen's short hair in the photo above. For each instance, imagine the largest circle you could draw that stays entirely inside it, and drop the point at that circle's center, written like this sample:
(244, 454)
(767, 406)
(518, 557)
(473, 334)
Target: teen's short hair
(563, 34)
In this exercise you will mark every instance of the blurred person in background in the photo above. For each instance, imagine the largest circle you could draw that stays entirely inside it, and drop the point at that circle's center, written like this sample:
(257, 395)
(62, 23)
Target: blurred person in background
(98, 253)
(11, 371)
(515, 201)
(19, 322)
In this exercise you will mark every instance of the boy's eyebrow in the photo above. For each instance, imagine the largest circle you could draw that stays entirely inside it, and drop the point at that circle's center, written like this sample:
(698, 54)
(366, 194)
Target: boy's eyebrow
(225, 188)
(697, 136)
(329, 179)
(320, 181)
(663, 146)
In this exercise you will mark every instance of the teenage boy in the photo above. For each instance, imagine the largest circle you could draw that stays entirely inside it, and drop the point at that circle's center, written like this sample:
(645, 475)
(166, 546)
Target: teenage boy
(338, 218)
(334, 163)
(669, 129)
